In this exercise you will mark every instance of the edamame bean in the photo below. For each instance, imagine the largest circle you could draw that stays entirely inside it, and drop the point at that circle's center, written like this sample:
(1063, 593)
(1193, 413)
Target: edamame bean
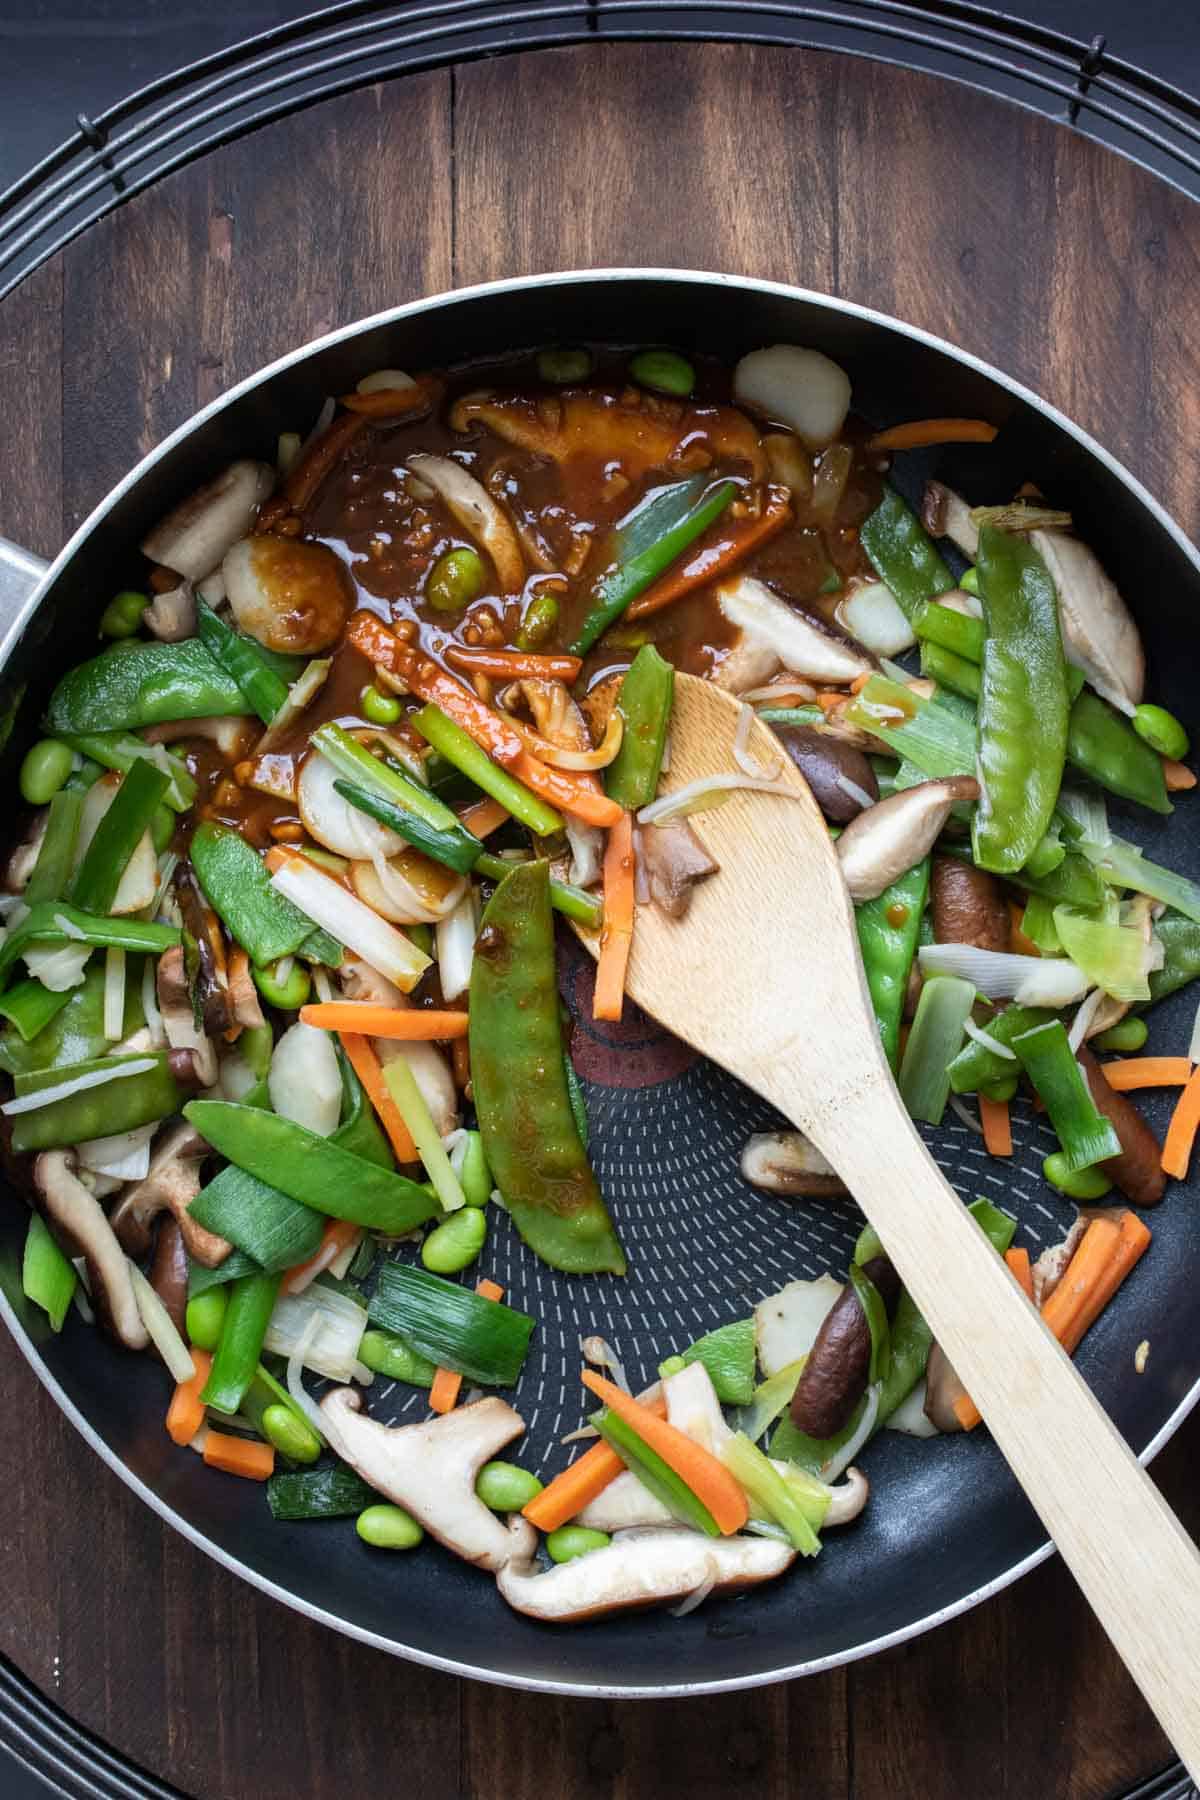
(1076, 1184)
(44, 771)
(291, 1435)
(570, 1541)
(455, 1243)
(1126, 1034)
(670, 1365)
(205, 1316)
(665, 371)
(456, 578)
(381, 709)
(390, 1355)
(564, 365)
(1162, 731)
(540, 622)
(123, 614)
(1001, 1088)
(968, 581)
(475, 1178)
(388, 1528)
(506, 1488)
(287, 994)
(162, 828)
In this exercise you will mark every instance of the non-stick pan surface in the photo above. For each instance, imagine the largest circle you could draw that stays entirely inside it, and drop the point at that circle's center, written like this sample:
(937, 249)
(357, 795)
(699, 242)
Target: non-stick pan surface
(946, 1524)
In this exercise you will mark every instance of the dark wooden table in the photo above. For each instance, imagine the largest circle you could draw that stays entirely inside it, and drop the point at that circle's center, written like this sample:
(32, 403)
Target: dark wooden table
(1071, 269)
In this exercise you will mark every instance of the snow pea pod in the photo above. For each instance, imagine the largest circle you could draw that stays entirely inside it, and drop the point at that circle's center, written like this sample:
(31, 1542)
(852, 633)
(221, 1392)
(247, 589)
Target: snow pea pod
(119, 750)
(903, 554)
(117, 837)
(530, 1138)
(52, 870)
(311, 1169)
(54, 922)
(243, 661)
(1023, 703)
(74, 1033)
(1180, 939)
(888, 928)
(644, 702)
(237, 887)
(103, 1111)
(146, 684)
(1102, 744)
(235, 1363)
(360, 1131)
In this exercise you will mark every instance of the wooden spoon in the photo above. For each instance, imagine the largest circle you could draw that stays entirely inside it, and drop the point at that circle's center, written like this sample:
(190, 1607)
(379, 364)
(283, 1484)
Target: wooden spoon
(764, 977)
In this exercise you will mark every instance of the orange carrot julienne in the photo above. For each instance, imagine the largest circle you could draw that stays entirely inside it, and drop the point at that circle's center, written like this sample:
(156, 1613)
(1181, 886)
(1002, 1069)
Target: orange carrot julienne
(512, 664)
(580, 1483)
(337, 1236)
(1147, 1071)
(828, 700)
(1132, 1243)
(579, 794)
(708, 1479)
(433, 685)
(1018, 1262)
(185, 1415)
(407, 1024)
(239, 1456)
(860, 682)
(997, 1126)
(365, 1063)
(1181, 1133)
(447, 1383)
(484, 817)
(1107, 1251)
(616, 935)
(1177, 776)
(919, 433)
(712, 560)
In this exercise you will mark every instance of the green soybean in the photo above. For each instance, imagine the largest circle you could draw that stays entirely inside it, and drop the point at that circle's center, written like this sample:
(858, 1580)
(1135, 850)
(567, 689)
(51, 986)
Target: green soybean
(475, 1178)
(205, 1316)
(563, 365)
(570, 1541)
(291, 1435)
(388, 1528)
(968, 581)
(456, 578)
(1076, 1184)
(506, 1488)
(1001, 1089)
(665, 371)
(287, 994)
(1126, 1034)
(455, 1243)
(44, 771)
(162, 829)
(540, 622)
(380, 708)
(392, 1356)
(671, 1365)
(123, 614)
(1162, 731)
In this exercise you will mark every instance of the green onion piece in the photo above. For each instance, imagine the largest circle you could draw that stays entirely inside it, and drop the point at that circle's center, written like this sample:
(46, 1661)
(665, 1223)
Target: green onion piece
(43, 927)
(401, 1084)
(771, 1494)
(1047, 1058)
(1180, 939)
(939, 740)
(903, 554)
(976, 1065)
(728, 1355)
(460, 749)
(241, 659)
(1113, 957)
(1037, 924)
(768, 1400)
(48, 1277)
(238, 888)
(654, 1473)
(909, 1341)
(791, 715)
(354, 762)
(645, 542)
(310, 1169)
(117, 837)
(455, 849)
(451, 1325)
(55, 859)
(333, 1492)
(236, 1358)
(276, 1231)
(119, 750)
(933, 1043)
(959, 632)
(997, 1226)
(572, 902)
(236, 1264)
(871, 1301)
(644, 702)
(30, 1007)
(1123, 865)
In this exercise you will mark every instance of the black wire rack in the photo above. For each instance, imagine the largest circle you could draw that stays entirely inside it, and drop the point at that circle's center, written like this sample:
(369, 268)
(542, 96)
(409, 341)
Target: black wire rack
(109, 158)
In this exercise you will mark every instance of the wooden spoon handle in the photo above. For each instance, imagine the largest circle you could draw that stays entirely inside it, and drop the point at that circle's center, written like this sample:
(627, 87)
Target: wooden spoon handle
(1135, 1563)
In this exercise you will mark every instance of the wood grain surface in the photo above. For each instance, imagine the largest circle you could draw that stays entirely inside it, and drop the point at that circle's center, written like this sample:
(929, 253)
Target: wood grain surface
(1073, 270)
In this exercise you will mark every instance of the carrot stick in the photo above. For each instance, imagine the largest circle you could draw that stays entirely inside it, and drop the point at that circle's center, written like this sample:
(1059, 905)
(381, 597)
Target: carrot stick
(921, 432)
(185, 1415)
(578, 794)
(1018, 1262)
(1181, 1133)
(616, 934)
(313, 465)
(860, 682)
(410, 1025)
(512, 664)
(708, 1479)
(1148, 1071)
(447, 1383)
(394, 403)
(239, 1456)
(365, 1064)
(581, 1482)
(997, 1126)
(1132, 1242)
(713, 560)
(1177, 776)
(337, 1236)
(829, 699)
(484, 817)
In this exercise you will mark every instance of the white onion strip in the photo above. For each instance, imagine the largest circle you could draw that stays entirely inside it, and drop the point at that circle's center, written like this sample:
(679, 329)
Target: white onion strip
(988, 1041)
(1087, 1011)
(742, 754)
(852, 790)
(160, 1327)
(696, 795)
(114, 993)
(789, 687)
(295, 1385)
(959, 1107)
(63, 1090)
(696, 1598)
(850, 1449)
(69, 928)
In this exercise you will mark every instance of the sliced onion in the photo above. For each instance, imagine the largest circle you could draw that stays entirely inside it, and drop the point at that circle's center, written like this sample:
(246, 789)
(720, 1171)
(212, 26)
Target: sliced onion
(871, 614)
(124, 1156)
(1029, 980)
(959, 1107)
(1084, 1017)
(709, 790)
(408, 888)
(599, 1351)
(561, 758)
(63, 1090)
(787, 687)
(332, 821)
(858, 794)
(742, 754)
(114, 993)
(696, 1598)
(295, 1385)
(385, 381)
(988, 1041)
(160, 1327)
(70, 929)
(456, 946)
(850, 1449)
(328, 1325)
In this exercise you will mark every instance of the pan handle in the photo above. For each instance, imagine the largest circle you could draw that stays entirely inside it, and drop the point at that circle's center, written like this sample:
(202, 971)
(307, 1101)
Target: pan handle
(20, 573)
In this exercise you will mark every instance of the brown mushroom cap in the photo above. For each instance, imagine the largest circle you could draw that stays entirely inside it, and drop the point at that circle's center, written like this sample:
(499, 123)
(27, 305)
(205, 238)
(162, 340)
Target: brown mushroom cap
(785, 1162)
(170, 1185)
(78, 1221)
(835, 1376)
(882, 843)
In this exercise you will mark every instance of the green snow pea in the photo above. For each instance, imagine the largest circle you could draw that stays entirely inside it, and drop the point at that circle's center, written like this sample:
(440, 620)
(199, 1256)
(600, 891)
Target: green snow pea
(888, 928)
(103, 1111)
(644, 702)
(75, 1031)
(43, 926)
(142, 684)
(903, 554)
(238, 888)
(1102, 744)
(235, 1360)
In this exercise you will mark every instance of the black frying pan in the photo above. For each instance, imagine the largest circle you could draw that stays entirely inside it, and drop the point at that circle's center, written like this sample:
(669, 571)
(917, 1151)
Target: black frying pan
(946, 1525)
